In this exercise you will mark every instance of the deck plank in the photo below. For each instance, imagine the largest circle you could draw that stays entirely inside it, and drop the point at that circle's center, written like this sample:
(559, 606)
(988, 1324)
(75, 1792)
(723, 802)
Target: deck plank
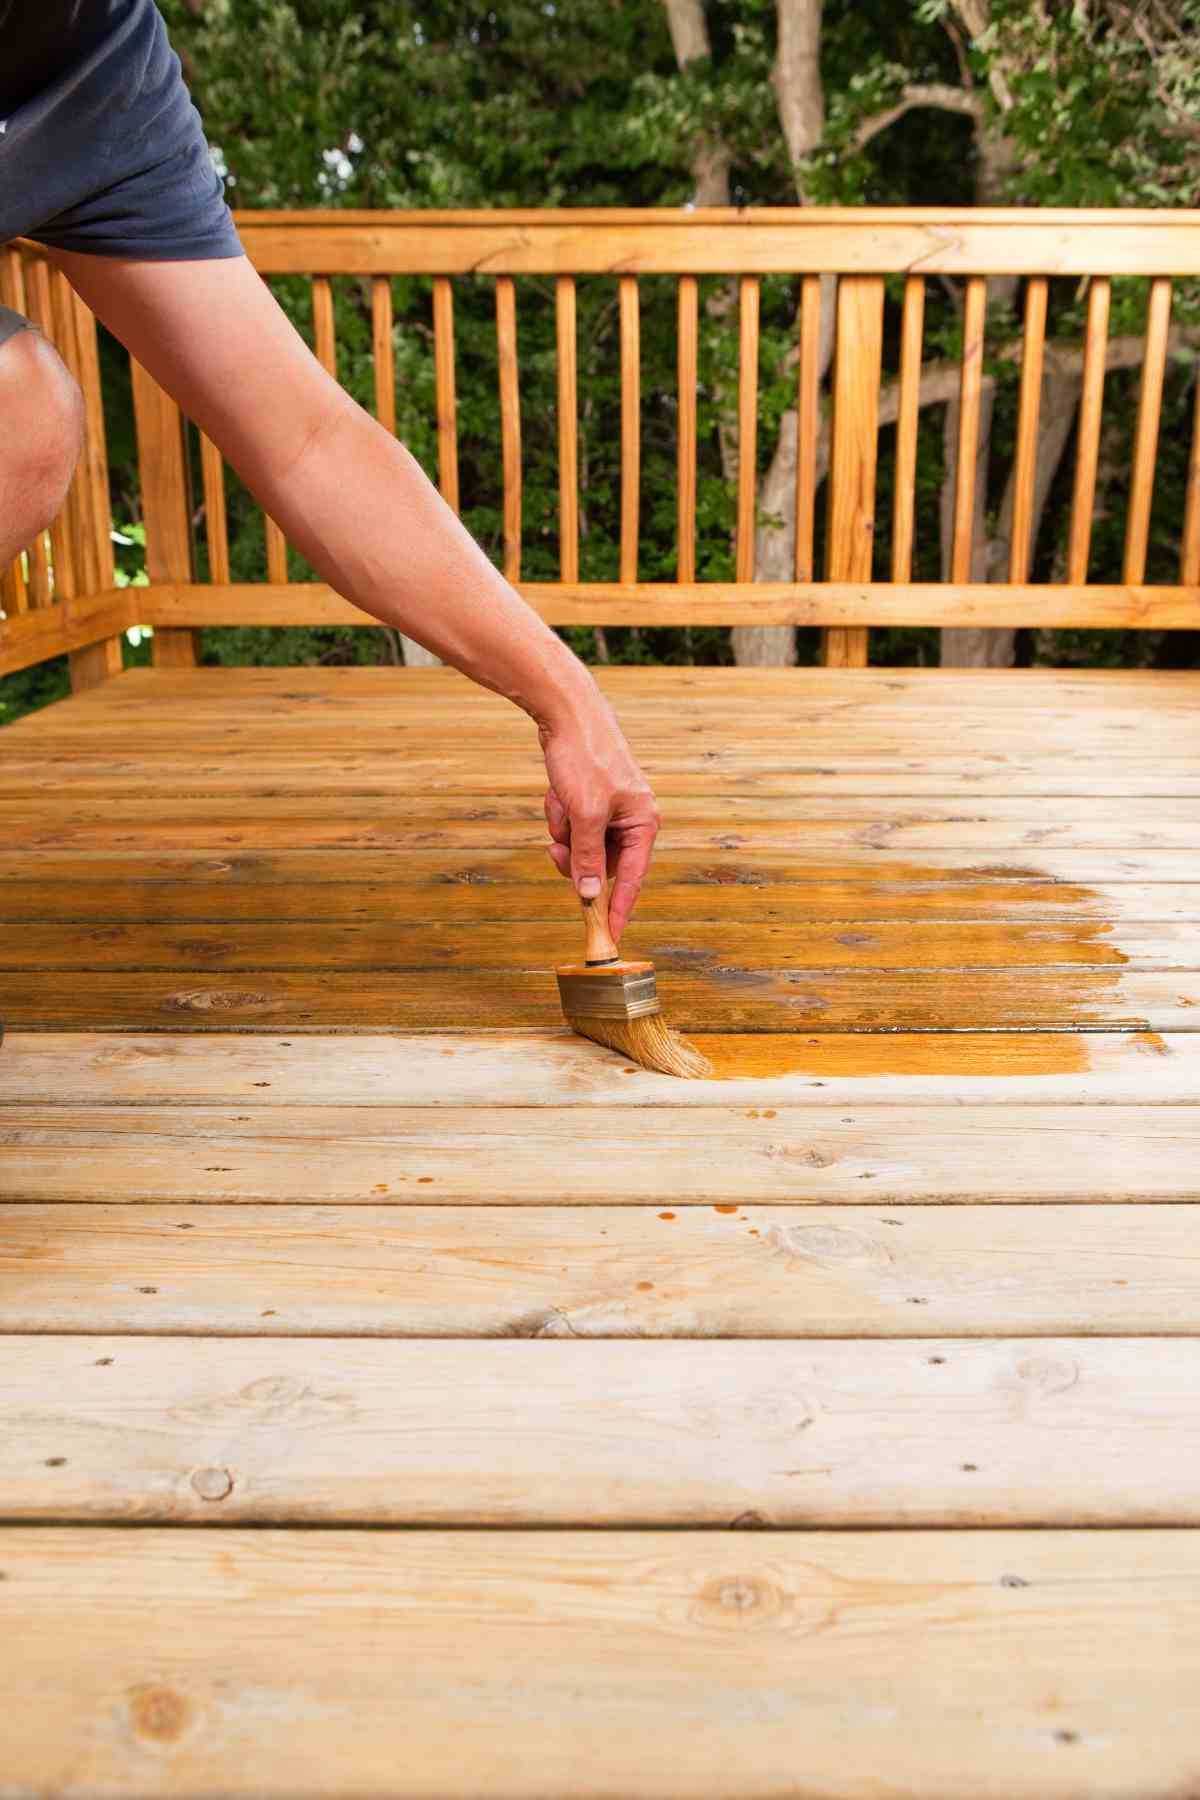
(1011, 1666)
(538, 945)
(615, 1155)
(554, 1068)
(947, 1432)
(599, 1272)
(1110, 998)
(694, 822)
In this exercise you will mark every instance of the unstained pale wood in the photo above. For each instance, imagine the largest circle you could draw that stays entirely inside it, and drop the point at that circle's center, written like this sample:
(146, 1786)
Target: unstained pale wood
(554, 1068)
(1058, 1431)
(723, 1154)
(600, 1272)
(352, 1662)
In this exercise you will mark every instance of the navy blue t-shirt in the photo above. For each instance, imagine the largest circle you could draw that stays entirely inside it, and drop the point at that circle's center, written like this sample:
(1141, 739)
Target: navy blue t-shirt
(101, 149)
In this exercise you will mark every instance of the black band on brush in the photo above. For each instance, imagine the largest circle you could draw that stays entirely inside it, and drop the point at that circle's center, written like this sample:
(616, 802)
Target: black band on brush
(601, 962)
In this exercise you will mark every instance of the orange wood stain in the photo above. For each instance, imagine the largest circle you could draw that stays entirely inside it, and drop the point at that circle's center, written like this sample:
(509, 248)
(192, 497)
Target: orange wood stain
(759, 1055)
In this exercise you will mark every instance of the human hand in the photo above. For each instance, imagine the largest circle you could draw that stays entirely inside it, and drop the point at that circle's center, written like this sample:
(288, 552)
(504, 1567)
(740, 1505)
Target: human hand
(599, 807)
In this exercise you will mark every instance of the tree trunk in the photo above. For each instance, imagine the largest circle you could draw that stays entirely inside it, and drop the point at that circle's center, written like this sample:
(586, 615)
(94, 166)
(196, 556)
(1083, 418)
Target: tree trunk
(800, 99)
(974, 646)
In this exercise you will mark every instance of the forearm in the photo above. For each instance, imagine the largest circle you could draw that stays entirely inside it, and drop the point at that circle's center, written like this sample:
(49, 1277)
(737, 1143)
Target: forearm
(361, 509)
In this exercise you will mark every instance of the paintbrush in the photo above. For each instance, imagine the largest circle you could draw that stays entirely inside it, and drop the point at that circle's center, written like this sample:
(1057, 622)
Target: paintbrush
(615, 1002)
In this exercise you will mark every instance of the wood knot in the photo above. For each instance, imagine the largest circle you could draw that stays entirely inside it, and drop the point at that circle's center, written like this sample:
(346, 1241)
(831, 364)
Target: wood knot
(213, 1484)
(739, 1602)
(158, 1713)
(217, 1000)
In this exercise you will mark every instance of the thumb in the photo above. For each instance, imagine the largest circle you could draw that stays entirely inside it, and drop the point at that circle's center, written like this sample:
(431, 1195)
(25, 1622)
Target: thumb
(587, 854)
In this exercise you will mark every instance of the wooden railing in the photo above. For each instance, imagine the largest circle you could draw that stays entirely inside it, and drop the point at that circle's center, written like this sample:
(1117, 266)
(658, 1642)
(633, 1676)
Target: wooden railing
(59, 597)
(859, 247)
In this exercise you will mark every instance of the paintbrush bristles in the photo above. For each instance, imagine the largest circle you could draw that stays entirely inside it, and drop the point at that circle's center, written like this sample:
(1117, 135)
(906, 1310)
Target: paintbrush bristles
(614, 1002)
(648, 1041)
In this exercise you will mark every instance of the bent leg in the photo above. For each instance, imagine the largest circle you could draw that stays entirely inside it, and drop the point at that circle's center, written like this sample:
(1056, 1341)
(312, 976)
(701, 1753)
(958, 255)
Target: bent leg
(42, 412)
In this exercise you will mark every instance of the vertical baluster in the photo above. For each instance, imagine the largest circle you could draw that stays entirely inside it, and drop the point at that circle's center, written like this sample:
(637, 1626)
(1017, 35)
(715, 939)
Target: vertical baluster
(908, 417)
(1020, 551)
(14, 591)
(749, 292)
(510, 422)
(216, 526)
(630, 425)
(382, 353)
(1141, 494)
(1091, 402)
(77, 507)
(685, 503)
(1189, 549)
(858, 361)
(166, 506)
(568, 430)
(39, 584)
(39, 306)
(808, 425)
(971, 391)
(277, 567)
(447, 407)
(324, 338)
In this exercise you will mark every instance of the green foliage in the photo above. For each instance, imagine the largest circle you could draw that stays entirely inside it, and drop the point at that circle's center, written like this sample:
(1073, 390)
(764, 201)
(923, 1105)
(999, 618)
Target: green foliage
(446, 104)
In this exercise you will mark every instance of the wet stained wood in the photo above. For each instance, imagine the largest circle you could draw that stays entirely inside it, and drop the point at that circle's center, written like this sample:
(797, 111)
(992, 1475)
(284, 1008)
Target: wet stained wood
(694, 822)
(614, 1154)
(259, 770)
(683, 944)
(141, 887)
(754, 1651)
(737, 1271)
(1050, 1431)
(768, 1000)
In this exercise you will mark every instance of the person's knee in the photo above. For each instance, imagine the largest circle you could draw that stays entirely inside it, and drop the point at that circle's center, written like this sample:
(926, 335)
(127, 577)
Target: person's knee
(42, 411)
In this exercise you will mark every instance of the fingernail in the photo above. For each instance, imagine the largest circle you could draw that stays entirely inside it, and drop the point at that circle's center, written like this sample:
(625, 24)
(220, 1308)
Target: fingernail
(589, 887)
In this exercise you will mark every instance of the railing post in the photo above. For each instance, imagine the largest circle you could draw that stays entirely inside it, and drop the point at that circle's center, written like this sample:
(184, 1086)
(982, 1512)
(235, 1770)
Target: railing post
(858, 367)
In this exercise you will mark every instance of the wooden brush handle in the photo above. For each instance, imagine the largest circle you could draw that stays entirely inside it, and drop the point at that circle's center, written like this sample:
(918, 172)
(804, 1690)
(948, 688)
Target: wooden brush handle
(600, 947)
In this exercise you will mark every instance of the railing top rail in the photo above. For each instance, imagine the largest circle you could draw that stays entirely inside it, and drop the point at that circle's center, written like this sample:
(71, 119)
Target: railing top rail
(724, 240)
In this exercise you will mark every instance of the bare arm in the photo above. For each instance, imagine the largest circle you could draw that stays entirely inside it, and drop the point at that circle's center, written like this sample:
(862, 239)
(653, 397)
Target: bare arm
(361, 509)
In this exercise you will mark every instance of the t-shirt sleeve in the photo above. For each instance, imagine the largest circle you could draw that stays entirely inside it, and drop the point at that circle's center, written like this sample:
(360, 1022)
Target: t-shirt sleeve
(112, 158)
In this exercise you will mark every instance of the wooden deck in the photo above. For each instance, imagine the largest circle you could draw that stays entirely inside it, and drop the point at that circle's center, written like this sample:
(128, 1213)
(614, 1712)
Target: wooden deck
(315, 1219)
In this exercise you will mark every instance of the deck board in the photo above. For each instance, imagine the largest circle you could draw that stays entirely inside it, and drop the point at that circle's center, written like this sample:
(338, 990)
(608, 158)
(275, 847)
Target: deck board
(1006, 1665)
(466, 1271)
(275, 953)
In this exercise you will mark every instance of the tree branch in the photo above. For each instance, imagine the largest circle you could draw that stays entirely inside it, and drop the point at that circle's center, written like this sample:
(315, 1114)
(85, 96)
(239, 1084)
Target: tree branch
(935, 93)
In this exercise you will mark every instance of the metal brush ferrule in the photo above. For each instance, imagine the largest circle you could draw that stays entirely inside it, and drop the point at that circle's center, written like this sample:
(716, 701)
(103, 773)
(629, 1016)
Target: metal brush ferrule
(612, 996)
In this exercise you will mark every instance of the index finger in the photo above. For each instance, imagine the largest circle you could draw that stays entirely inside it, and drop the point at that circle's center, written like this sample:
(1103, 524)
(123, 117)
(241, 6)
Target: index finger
(633, 861)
